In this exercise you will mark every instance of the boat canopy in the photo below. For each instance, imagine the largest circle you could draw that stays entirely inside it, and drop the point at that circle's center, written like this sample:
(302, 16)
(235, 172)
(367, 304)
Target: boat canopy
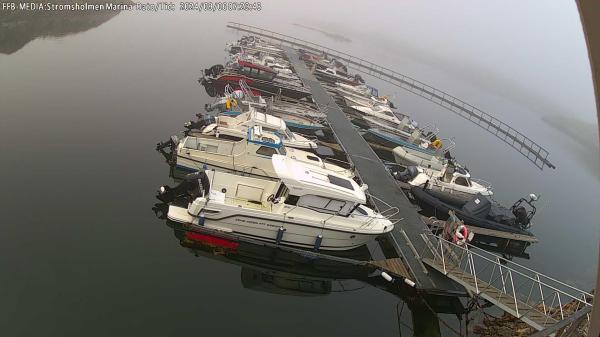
(256, 136)
(302, 179)
(266, 120)
(374, 91)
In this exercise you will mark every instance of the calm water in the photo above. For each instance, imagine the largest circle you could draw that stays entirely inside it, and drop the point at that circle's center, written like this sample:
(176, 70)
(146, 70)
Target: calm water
(81, 251)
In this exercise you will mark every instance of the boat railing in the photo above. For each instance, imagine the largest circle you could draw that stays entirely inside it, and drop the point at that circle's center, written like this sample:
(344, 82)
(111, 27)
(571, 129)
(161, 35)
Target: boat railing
(525, 293)
(452, 145)
(486, 184)
(445, 147)
(248, 94)
(389, 212)
(430, 128)
(339, 162)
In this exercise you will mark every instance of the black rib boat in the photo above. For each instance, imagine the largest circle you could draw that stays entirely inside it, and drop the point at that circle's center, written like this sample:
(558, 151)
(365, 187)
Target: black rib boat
(482, 212)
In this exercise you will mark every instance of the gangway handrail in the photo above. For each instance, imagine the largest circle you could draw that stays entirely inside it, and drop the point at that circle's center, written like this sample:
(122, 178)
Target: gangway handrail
(517, 140)
(513, 276)
(472, 250)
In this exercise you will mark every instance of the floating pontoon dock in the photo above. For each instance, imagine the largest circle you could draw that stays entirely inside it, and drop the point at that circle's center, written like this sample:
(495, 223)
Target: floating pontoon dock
(381, 184)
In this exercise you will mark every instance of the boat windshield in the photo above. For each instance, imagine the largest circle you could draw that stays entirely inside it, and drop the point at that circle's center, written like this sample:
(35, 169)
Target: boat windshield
(462, 181)
(289, 134)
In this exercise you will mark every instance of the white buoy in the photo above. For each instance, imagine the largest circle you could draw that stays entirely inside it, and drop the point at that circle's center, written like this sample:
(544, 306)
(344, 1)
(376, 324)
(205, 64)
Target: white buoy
(386, 276)
(409, 282)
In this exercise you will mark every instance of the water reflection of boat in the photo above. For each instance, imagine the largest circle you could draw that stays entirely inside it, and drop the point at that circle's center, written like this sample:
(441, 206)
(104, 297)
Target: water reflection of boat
(275, 271)
(282, 272)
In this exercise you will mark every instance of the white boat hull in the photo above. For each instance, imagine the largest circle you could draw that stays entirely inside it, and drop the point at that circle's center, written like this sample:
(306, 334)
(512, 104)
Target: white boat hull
(296, 234)
(409, 157)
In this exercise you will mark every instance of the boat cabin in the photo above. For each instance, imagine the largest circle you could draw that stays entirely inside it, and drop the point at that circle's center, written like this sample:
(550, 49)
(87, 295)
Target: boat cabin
(257, 142)
(254, 70)
(251, 154)
(456, 175)
(323, 192)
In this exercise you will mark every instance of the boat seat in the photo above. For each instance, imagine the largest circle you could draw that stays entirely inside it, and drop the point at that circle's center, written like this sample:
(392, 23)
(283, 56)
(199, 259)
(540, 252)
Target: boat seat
(249, 193)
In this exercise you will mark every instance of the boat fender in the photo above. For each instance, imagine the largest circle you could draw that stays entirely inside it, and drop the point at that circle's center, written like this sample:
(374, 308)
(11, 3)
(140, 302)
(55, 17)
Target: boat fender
(209, 128)
(202, 218)
(279, 235)
(437, 144)
(386, 276)
(318, 241)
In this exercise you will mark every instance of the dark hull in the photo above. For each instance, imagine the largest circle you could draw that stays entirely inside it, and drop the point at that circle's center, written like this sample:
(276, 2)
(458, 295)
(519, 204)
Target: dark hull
(441, 208)
(332, 78)
(216, 86)
(376, 139)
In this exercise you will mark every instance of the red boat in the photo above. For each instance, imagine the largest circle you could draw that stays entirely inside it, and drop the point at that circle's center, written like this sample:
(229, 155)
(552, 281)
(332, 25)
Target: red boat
(261, 80)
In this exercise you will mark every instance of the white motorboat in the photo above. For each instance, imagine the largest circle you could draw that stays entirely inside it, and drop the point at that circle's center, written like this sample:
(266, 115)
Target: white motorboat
(333, 74)
(302, 207)
(436, 159)
(251, 155)
(453, 184)
(410, 157)
(378, 111)
(361, 89)
(405, 128)
(237, 127)
(368, 102)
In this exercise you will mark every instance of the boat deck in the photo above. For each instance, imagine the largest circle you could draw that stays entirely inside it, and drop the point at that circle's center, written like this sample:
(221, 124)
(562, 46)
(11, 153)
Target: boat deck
(485, 231)
(405, 239)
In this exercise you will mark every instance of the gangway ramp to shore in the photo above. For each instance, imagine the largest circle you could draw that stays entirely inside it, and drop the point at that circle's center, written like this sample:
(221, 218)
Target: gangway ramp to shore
(534, 298)
(534, 152)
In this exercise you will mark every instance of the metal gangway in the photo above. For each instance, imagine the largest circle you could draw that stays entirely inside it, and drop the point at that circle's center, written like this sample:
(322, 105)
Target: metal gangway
(517, 140)
(538, 300)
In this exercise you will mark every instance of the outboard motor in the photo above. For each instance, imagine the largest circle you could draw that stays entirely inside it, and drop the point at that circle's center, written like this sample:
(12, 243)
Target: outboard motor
(408, 174)
(522, 215)
(171, 143)
(193, 185)
(214, 70)
(203, 120)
